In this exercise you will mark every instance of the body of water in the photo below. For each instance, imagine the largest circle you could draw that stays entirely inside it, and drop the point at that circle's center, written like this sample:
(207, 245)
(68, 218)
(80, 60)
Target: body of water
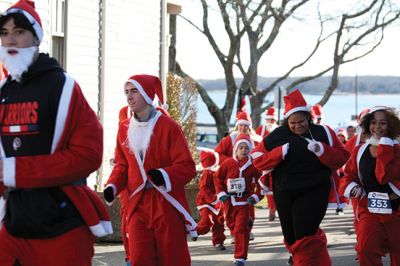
(337, 111)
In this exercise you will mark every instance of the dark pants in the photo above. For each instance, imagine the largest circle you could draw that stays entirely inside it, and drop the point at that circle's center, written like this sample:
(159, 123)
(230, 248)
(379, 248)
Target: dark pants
(301, 211)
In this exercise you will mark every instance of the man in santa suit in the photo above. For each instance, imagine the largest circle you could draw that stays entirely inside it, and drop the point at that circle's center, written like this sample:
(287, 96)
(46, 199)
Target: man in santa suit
(271, 118)
(207, 203)
(51, 141)
(153, 163)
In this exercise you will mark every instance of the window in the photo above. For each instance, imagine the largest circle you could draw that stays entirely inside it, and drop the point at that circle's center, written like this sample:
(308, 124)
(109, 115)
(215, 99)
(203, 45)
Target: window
(58, 29)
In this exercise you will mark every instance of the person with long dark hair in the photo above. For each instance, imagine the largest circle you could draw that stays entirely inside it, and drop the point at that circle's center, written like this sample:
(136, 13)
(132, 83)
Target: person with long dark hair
(301, 157)
(372, 175)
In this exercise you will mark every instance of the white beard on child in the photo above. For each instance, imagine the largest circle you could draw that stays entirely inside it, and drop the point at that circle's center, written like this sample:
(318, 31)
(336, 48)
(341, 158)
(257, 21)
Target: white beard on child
(139, 134)
(17, 63)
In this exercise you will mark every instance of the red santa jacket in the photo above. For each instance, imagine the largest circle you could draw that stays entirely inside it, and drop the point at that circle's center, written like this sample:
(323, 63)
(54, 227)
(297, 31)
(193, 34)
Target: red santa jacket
(207, 198)
(332, 153)
(225, 146)
(233, 169)
(168, 152)
(387, 169)
(76, 152)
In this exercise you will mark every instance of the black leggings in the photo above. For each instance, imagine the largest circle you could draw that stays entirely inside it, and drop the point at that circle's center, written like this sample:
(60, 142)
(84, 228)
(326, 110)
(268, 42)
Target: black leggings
(301, 211)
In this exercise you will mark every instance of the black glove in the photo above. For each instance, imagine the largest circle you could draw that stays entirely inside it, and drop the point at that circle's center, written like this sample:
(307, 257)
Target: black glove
(156, 177)
(251, 201)
(109, 194)
(223, 198)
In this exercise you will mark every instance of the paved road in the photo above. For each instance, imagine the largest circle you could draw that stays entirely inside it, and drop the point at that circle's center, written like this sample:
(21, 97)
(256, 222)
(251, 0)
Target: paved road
(266, 249)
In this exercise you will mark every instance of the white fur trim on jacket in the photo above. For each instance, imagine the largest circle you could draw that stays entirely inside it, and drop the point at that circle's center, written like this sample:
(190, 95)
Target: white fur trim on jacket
(3, 202)
(167, 181)
(101, 229)
(285, 149)
(222, 193)
(254, 196)
(394, 188)
(264, 188)
(214, 210)
(386, 141)
(114, 188)
(349, 188)
(9, 172)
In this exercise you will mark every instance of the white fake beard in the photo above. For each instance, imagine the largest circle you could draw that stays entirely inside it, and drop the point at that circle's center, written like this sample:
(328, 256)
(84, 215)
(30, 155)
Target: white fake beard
(374, 141)
(139, 134)
(270, 127)
(17, 64)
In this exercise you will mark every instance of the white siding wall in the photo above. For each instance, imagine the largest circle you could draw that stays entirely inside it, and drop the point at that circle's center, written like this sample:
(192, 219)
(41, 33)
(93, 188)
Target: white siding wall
(132, 46)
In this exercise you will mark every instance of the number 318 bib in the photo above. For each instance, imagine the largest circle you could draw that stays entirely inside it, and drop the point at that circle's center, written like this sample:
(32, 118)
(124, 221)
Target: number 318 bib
(237, 185)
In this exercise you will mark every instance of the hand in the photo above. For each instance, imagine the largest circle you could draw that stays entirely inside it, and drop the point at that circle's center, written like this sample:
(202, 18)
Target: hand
(314, 146)
(357, 192)
(156, 177)
(251, 201)
(223, 198)
(109, 194)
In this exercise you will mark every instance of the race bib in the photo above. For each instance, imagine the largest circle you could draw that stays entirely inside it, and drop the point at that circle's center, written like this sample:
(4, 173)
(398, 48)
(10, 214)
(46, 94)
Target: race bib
(379, 203)
(237, 185)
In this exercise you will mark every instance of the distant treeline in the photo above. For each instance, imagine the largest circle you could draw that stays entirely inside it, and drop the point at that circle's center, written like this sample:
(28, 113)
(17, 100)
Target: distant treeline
(365, 84)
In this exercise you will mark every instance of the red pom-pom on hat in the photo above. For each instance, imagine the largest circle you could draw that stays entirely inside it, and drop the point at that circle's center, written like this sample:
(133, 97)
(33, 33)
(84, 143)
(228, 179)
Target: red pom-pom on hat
(317, 109)
(243, 118)
(271, 113)
(295, 102)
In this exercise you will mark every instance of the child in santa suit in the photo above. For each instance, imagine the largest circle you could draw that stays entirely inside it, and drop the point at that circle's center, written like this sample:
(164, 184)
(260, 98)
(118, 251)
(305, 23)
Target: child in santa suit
(243, 125)
(207, 203)
(271, 119)
(372, 175)
(235, 188)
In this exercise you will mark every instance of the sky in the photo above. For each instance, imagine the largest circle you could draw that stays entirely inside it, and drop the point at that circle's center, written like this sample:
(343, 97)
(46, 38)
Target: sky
(197, 58)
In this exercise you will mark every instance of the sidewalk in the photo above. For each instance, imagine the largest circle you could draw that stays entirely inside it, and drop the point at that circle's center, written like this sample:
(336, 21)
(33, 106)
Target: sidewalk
(266, 249)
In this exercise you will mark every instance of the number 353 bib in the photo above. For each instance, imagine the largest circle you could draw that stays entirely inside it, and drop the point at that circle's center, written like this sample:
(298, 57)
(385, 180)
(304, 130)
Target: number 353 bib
(379, 202)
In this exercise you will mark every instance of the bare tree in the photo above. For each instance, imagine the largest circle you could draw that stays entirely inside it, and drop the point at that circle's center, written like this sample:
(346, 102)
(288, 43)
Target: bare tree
(354, 33)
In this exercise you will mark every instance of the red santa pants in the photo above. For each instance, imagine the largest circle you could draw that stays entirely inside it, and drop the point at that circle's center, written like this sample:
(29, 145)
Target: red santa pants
(214, 222)
(72, 248)
(310, 250)
(238, 221)
(378, 234)
(271, 203)
(157, 234)
(123, 200)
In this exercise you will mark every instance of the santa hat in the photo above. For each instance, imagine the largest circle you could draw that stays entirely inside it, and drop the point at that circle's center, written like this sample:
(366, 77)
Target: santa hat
(27, 8)
(341, 131)
(149, 86)
(209, 159)
(243, 118)
(361, 115)
(377, 108)
(294, 102)
(241, 138)
(317, 109)
(271, 113)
